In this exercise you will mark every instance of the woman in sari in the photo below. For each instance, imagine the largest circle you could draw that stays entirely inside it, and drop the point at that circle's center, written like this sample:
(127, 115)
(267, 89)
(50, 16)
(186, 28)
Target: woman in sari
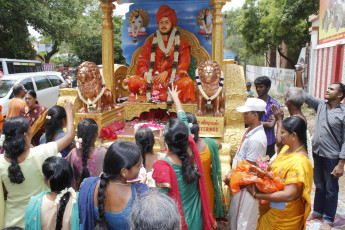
(289, 208)
(55, 122)
(180, 174)
(86, 159)
(105, 202)
(20, 167)
(58, 208)
(32, 112)
(209, 155)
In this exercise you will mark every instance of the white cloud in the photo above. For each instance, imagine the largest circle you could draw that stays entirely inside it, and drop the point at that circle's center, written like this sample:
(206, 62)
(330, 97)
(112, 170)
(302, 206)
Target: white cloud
(33, 32)
(233, 5)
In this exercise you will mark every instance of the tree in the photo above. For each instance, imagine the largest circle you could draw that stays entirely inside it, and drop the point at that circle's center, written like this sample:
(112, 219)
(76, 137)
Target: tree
(14, 35)
(266, 24)
(87, 45)
(234, 40)
(56, 19)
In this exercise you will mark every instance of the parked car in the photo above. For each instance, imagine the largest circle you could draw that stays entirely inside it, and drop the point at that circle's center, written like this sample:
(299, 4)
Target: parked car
(46, 85)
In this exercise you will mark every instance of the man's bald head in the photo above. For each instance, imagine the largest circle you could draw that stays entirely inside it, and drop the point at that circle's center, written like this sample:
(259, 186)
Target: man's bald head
(18, 90)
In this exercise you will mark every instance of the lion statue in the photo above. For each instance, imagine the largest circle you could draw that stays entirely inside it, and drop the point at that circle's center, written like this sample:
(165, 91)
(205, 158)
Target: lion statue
(90, 86)
(210, 89)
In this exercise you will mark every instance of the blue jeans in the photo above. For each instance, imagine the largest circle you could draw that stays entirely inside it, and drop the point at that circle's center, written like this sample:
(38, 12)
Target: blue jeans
(327, 188)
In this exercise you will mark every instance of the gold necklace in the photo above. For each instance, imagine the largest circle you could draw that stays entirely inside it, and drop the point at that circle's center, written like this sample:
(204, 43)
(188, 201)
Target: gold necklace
(299, 148)
(119, 183)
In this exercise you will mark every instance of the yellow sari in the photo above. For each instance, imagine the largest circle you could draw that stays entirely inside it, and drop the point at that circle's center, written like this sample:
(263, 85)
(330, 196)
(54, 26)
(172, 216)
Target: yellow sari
(295, 168)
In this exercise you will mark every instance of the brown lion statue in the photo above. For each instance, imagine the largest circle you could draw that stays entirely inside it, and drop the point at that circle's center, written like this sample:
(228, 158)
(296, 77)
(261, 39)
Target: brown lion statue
(210, 94)
(90, 86)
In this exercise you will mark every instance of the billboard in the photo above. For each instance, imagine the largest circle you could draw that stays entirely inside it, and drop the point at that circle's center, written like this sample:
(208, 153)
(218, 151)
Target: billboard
(332, 20)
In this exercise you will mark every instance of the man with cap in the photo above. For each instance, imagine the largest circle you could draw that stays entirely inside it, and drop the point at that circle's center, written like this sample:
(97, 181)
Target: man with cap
(244, 209)
(164, 60)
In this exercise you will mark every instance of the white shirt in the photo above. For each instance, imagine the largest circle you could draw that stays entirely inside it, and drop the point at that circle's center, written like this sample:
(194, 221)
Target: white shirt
(253, 146)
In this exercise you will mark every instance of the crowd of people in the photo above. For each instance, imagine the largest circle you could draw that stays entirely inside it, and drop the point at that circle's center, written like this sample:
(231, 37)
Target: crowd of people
(50, 181)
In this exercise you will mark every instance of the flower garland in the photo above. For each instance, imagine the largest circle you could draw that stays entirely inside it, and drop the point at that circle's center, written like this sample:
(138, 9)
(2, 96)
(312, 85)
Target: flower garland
(98, 96)
(209, 99)
(174, 37)
(63, 192)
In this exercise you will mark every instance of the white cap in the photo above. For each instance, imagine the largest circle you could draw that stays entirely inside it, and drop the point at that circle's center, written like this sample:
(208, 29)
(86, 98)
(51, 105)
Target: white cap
(252, 104)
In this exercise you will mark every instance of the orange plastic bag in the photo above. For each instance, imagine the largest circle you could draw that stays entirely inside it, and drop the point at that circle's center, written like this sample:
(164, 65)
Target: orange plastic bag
(242, 177)
(247, 173)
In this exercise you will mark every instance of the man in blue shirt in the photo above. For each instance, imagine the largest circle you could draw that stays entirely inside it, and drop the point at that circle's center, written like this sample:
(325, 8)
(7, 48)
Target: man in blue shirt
(263, 85)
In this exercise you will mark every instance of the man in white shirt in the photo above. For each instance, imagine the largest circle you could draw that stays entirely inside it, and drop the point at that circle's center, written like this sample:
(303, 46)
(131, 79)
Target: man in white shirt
(244, 209)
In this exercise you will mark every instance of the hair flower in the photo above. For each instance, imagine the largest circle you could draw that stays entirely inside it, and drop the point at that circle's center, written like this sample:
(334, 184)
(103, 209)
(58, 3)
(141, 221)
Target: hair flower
(48, 117)
(63, 192)
(190, 125)
(78, 143)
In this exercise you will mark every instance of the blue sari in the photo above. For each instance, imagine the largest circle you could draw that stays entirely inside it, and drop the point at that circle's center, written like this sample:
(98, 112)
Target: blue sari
(87, 214)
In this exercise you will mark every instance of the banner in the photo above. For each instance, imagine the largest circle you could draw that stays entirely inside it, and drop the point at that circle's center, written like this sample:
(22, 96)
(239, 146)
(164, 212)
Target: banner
(332, 23)
(281, 79)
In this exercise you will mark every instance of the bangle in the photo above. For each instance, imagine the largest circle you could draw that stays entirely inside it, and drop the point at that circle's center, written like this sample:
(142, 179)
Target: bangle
(163, 150)
(254, 194)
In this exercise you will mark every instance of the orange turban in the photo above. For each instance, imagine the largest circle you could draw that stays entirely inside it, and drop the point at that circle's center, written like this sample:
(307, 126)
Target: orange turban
(166, 11)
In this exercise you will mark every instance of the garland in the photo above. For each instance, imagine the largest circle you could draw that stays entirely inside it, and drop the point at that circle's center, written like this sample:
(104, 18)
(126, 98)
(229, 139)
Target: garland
(98, 96)
(209, 99)
(63, 192)
(174, 37)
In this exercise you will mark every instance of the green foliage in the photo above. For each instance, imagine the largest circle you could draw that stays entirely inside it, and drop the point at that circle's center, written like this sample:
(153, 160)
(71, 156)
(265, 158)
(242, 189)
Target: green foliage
(261, 25)
(266, 23)
(87, 45)
(14, 35)
(74, 22)
(234, 41)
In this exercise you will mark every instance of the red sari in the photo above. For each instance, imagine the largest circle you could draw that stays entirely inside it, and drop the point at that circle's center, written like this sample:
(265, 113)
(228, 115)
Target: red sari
(32, 115)
(165, 176)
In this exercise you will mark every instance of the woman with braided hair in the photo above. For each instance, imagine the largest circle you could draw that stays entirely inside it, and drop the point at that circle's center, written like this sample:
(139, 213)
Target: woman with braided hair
(55, 122)
(209, 156)
(58, 208)
(180, 174)
(105, 202)
(145, 140)
(20, 167)
(86, 159)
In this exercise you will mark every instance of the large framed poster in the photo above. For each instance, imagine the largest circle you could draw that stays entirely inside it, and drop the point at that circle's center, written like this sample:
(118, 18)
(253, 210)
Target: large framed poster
(332, 20)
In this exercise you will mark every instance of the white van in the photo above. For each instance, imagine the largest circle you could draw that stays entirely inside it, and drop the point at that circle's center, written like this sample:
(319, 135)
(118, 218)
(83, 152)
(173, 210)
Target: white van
(46, 85)
(12, 66)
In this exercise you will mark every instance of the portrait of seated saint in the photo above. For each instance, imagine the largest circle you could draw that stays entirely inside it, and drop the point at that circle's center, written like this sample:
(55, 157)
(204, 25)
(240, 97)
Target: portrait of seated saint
(138, 20)
(163, 61)
(205, 21)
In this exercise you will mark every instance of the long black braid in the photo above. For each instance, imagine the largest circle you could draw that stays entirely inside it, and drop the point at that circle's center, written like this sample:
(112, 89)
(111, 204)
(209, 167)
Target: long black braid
(120, 155)
(176, 137)
(101, 222)
(87, 131)
(14, 145)
(59, 217)
(145, 140)
(58, 172)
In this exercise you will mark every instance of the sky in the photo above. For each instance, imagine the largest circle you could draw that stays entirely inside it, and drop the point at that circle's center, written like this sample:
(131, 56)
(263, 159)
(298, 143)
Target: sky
(123, 8)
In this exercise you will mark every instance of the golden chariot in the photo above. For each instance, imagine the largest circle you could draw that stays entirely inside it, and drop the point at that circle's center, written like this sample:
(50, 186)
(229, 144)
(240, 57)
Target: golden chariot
(227, 130)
